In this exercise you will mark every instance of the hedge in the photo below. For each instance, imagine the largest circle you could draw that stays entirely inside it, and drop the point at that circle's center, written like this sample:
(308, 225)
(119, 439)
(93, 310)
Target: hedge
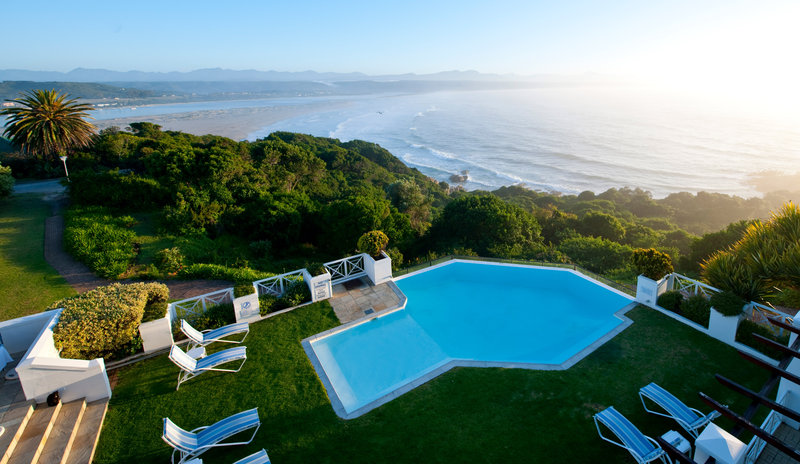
(101, 321)
(101, 240)
(219, 272)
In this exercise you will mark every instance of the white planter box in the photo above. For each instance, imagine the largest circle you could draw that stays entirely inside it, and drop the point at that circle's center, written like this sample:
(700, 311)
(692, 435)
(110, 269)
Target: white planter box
(723, 327)
(246, 308)
(320, 286)
(379, 271)
(156, 335)
(646, 291)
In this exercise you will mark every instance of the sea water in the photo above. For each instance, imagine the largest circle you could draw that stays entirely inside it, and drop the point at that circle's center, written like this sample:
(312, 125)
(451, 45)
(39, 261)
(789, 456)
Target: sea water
(565, 139)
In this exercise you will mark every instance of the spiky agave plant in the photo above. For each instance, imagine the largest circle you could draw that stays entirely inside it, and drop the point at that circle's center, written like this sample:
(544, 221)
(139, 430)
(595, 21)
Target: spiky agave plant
(46, 122)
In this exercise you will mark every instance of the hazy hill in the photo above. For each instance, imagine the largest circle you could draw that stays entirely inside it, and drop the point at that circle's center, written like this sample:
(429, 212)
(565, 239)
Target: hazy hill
(13, 89)
(218, 74)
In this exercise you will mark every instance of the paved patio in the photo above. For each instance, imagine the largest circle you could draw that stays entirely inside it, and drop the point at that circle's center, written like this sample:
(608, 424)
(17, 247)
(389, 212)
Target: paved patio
(358, 298)
(771, 455)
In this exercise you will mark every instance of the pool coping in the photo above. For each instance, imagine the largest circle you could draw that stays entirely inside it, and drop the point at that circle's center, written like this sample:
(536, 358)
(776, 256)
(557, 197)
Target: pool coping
(339, 408)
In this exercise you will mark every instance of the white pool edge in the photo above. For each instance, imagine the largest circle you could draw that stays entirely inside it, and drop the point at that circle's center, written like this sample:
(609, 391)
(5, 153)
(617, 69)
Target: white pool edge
(338, 406)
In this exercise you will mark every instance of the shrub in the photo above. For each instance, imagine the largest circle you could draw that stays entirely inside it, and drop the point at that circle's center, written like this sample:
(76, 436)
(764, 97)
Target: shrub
(169, 259)
(214, 317)
(296, 293)
(6, 181)
(100, 240)
(240, 290)
(596, 254)
(670, 300)
(651, 262)
(396, 256)
(372, 243)
(697, 308)
(261, 248)
(154, 311)
(727, 303)
(267, 304)
(116, 189)
(101, 321)
(219, 272)
(747, 328)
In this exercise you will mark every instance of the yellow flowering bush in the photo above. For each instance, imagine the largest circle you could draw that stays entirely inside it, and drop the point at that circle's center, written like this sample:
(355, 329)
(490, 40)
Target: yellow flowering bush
(100, 321)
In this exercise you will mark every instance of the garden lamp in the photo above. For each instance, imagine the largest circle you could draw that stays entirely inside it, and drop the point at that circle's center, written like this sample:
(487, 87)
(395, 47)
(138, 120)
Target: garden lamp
(64, 160)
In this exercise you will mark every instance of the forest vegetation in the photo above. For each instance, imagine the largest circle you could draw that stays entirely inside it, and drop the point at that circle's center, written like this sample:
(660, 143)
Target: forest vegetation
(226, 209)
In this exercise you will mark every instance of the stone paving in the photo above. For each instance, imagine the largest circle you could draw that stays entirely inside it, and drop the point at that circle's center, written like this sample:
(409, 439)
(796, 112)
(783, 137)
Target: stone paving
(770, 455)
(352, 299)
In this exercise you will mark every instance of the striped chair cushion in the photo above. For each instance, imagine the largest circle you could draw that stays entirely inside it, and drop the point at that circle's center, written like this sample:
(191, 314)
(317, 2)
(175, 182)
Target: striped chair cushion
(628, 433)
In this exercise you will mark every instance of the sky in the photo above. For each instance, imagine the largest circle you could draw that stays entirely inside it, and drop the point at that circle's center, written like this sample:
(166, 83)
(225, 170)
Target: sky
(719, 44)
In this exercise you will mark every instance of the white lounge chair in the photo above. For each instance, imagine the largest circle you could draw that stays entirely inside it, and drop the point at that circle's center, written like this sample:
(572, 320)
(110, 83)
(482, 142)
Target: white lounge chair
(207, 337)
(643, 448)
(690, 419)
(255, 458)
(190, 444)
(191, 367)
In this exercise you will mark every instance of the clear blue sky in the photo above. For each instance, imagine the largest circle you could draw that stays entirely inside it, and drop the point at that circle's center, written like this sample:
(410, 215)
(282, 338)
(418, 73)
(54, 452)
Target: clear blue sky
(378, 37)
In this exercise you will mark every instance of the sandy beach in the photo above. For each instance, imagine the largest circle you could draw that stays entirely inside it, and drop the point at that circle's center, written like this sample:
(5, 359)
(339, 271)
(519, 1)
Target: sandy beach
(236, 123)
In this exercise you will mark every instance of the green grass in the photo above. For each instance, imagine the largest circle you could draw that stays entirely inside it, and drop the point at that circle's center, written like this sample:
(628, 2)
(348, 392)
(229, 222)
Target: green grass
(27, 283)
(149, 240)
(465, 415)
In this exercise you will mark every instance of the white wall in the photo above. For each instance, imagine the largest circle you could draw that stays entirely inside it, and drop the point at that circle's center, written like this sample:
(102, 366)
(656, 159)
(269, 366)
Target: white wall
(19, 334)
(42, 371)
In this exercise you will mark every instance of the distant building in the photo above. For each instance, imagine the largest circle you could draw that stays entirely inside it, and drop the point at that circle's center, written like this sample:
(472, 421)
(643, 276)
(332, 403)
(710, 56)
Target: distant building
(7, 104)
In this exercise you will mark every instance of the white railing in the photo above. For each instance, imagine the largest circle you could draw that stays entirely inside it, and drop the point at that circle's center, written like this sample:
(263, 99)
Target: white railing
(753, 311)
(277, 285)
(757, 445)
(682, 283)
(197, 305)
(346, 269)
(761, 314)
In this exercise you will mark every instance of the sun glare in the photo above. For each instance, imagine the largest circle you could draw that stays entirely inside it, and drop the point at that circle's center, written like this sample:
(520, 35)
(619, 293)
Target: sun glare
(747, 61)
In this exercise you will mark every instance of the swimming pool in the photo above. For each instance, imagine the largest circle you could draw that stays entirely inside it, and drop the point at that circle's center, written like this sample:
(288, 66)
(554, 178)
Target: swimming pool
(466, 313)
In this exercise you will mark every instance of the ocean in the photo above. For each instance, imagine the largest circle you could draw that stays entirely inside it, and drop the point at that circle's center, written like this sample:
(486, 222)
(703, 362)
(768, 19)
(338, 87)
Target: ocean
(565, 139)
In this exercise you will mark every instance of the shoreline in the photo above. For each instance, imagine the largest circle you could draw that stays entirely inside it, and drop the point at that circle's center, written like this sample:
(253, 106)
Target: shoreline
(234, 123)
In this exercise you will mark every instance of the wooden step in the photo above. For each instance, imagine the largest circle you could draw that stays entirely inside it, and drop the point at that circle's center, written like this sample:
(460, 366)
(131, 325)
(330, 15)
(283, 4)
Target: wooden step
(64, 432)
(15, 420)
(88, 433)
(35, 434)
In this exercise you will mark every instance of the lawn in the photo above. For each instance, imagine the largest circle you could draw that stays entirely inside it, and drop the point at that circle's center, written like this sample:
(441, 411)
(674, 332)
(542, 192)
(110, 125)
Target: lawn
(28, 284)
(465, 415)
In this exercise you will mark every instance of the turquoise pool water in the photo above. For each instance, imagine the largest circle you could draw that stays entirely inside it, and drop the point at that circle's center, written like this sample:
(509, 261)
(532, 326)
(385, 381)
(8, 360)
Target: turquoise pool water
(467, 313)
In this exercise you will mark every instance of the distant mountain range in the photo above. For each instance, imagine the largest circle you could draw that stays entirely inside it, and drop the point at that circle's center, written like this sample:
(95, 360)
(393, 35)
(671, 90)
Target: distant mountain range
(251, 75)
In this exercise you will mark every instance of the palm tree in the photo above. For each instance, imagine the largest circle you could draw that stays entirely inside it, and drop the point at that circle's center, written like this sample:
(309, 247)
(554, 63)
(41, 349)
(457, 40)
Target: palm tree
(46, 122)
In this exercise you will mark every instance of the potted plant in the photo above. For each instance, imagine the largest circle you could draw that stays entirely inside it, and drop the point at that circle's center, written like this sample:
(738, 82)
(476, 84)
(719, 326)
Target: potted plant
(726, 312)
(377, 264)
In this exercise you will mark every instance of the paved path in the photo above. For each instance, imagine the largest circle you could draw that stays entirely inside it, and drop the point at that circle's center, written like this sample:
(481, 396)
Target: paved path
(81, 278)
(40, 186)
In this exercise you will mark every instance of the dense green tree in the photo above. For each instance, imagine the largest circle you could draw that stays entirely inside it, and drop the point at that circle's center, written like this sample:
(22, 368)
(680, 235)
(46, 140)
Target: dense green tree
(595, 253)
(487, 225)
(597, 224)
(47, 123)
